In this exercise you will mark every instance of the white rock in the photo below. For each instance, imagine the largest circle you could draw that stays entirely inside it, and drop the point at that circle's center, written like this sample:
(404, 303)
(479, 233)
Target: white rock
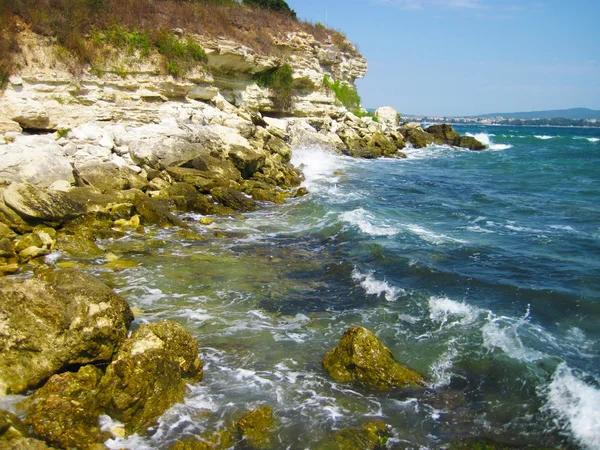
(87, 132)
(107, 141)
(35, 159)
(388, 116)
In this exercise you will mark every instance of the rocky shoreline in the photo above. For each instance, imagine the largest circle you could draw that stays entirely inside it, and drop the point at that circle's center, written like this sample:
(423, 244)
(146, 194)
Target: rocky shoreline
(94, 158)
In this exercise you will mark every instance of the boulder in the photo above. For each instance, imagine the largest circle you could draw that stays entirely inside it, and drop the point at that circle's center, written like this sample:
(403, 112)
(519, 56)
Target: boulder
(215, 167)
(388, 116)
(383, 144)
(233, 199)
(247, 160)
(55, 320)
(154, 212)
(360, 356)
(149, 374)
(41, 241)
(443, 133)
(469, 142)
(38, 160)
(416, 136)
(187, 198)
(256, 426)
(14, 434)
(160, 152)
(108, 176)
(65, 411)
(371, 436)
(41, 204)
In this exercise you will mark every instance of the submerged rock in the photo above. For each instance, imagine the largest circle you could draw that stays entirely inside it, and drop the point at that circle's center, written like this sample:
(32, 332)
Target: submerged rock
(371, 436)
(65, 411)
(149, 374)
(55, 320)
(360, 356)
(255, 427)
(153, 212)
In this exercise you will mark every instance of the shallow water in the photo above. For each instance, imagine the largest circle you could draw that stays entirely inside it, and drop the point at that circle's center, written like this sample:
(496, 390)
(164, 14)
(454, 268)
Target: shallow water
(480, 270)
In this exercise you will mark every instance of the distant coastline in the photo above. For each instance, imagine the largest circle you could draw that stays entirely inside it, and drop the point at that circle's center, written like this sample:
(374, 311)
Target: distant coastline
(501, 121)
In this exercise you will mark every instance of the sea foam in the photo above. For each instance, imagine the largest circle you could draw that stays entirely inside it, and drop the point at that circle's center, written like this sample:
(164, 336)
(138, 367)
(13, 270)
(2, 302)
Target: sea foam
(484, 138)
(593, 140)
(372, 286)
(318, 165)
(543, 137)
(365, 223)
(449, 313)
(577, 405)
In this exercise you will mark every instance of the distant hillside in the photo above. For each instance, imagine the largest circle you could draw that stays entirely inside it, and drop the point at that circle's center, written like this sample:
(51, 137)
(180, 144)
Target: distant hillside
(573, 113)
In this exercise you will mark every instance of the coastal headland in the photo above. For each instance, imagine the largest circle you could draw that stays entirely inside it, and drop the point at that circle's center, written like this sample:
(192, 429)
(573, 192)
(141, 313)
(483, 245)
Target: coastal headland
(151, 126)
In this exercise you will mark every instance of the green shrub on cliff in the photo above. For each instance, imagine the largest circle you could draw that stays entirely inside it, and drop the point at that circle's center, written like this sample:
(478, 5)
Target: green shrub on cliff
(281, 82)
(344, 93)
(273, 5)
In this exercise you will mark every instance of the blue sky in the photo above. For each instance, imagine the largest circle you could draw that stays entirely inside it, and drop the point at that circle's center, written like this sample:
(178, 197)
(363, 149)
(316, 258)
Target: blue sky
(467, 57)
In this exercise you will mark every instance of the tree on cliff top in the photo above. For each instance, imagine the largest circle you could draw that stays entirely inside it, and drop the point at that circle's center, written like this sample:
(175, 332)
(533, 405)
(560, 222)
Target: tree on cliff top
(273, 5)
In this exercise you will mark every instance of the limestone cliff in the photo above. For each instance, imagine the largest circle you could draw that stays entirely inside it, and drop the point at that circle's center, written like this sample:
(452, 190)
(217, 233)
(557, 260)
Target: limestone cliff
(45, 94)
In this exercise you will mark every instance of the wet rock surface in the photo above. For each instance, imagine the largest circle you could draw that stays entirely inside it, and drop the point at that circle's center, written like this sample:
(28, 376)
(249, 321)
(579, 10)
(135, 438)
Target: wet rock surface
(149, 374)
(55, 320)
(361, 357)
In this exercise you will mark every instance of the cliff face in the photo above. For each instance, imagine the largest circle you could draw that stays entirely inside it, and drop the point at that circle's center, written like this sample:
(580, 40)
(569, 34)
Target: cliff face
(127, 87)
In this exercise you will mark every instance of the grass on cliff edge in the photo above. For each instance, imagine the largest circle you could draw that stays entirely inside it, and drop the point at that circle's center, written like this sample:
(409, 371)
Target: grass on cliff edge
(73, 23)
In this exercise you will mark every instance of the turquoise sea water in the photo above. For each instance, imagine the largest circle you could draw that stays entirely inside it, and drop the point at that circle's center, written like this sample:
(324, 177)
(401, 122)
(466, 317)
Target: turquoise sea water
(481, 270)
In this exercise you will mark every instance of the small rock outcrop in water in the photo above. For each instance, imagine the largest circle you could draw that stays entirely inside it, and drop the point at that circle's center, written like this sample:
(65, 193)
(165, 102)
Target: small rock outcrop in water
(445, 134)
(360, 356)
(14, 434)
(149, 374)
(55, 320)
(255, 427)
(371, 436)
(65, 411)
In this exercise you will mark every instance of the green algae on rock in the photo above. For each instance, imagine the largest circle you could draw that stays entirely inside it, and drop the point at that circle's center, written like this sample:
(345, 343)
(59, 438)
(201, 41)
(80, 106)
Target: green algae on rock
(445, 134)
(255, 427)
(14, 434)
(233, 199)
(360, 356)
(149, 374)
(65, 411)
(57, 319)
(371, 436)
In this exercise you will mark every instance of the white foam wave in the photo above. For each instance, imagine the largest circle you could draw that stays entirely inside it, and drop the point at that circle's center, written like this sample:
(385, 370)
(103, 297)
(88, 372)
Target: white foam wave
(484, 138)
(593, 140)
(503, 333)
(577, 405)
(318, 165)
(440, 369)
(364, 221)
(372, 286)
(449, 313)
(430, 236)
(543, 137)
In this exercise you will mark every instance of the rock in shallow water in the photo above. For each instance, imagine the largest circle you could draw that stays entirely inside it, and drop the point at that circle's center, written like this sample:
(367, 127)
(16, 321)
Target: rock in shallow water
(57, 319)
(149, 374)
(65, 411)
(360, 356)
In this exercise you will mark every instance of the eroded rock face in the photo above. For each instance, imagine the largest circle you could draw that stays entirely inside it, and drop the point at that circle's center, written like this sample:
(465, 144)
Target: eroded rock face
(65, 411)
(149, 374)
(360, 356)
(388, 116)
(57, 319)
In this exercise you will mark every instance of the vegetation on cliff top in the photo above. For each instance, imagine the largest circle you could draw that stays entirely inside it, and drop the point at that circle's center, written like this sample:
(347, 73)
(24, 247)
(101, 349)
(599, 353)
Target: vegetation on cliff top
(73, 23)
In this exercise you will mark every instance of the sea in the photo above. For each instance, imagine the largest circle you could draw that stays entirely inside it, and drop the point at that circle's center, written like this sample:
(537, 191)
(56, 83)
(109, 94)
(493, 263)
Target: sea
(480, 270)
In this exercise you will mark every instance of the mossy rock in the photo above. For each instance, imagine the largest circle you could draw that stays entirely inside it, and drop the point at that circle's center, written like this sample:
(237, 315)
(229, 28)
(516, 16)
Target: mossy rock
(154, 212)
(55, 320)
(38, 204)
(211, 440)
(417, 137)
(65, 411)
(11, 427)
(256, 426)
(188, 199)
(361, 357)
(384, 145)
(233, 199)
(443, 133)
(469, 142)
(371, 436)
(149, 374)
(91, 226)
(202, 181)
